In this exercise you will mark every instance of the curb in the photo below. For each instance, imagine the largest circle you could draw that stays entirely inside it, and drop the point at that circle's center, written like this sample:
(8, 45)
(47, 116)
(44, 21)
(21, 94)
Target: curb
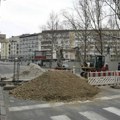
(116, 86)
(2, 106)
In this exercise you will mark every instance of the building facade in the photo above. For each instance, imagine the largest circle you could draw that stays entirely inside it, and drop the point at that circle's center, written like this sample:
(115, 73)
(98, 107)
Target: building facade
(29, 43)
(45, 45)
(4, 47)
(93, 42)
(14, 52)
(53, 40)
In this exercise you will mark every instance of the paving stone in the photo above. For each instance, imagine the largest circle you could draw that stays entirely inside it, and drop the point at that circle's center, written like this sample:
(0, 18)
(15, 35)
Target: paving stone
(0, 88)
(2, 103)
(2, 117)
(2, 106)
(3, 110)
(1, 97)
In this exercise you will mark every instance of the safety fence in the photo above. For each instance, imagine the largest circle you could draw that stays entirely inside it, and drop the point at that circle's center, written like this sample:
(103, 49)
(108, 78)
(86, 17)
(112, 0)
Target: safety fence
(104, 78)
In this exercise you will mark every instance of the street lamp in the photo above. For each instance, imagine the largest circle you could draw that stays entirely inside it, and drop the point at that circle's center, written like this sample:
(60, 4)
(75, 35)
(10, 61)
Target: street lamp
(14, 69)
(16, 66)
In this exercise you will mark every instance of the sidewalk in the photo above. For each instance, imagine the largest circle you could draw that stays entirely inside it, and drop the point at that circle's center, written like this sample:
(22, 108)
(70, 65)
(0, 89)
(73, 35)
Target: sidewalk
(2, 106)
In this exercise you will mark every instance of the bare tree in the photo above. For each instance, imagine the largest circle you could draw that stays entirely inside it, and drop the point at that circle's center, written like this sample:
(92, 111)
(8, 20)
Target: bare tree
(79, 20)
(53, 25)
(98, 19)
(114, 24)
(114, 6)
(117, 8)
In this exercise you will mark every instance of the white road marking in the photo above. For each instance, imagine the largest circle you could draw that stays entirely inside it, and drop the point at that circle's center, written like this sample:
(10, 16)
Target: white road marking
(92, 115)
(60, 117)
(113, 110)
(21, 108)
(29, 107)
(109, 97)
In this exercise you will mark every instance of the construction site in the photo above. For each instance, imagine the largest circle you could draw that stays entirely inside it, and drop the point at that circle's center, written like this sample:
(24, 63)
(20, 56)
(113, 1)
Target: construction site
(63, 82)
(36, 83)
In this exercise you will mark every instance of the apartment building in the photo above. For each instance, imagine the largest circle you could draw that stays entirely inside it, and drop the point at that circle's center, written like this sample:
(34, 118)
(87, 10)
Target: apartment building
(53, 40)
(97, 42)
(14, 42)
(29, 43)
(4, 47)
(48, 42)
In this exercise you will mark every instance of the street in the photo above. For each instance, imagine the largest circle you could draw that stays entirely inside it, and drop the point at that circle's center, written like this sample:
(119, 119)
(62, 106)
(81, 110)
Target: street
(106, 106)
(6, 69)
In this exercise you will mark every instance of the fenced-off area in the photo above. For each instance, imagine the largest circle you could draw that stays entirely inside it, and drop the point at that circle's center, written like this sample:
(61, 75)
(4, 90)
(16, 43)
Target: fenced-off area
(104, 78)
(101, 78)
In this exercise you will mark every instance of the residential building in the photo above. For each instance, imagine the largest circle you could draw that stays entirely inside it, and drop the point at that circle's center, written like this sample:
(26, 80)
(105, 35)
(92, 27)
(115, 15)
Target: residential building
(14, 52)
(29, 43)
(97, 42)
(39, 46)
(4, 47)
(52, 40)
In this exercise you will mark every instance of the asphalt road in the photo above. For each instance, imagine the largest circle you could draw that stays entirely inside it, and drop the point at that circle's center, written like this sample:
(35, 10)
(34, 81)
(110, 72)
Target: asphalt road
(106, 106)
(6, 68)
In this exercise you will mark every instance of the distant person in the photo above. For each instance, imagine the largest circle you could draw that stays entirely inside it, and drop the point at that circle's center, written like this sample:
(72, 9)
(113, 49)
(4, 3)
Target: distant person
(118, 66)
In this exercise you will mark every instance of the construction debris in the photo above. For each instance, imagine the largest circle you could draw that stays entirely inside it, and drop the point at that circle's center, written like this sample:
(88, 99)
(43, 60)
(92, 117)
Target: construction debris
(55, 86)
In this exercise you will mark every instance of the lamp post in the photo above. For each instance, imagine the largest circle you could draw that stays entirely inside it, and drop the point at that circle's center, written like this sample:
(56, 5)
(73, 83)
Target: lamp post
(18, 68)
(14, 69)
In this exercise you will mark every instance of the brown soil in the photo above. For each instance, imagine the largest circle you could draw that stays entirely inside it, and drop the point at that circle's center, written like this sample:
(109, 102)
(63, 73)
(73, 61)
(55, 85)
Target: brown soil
(56, 86)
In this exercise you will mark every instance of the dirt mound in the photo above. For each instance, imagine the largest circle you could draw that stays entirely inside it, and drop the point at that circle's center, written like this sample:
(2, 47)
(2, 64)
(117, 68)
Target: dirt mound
(56, 86)
(31, 71)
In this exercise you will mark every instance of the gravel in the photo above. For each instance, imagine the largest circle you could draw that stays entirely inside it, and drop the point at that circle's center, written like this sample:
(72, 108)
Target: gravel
(55, 86)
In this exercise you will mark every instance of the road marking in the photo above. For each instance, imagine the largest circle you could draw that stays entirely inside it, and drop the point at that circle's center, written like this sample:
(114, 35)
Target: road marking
(21, 108)
(92, 115)
(109, 97)
(60, 117)
(113, 110)
(29, 107)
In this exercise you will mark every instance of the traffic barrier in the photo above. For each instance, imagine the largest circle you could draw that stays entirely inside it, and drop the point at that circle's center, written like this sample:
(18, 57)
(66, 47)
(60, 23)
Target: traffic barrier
(104, 78)
(102, 73)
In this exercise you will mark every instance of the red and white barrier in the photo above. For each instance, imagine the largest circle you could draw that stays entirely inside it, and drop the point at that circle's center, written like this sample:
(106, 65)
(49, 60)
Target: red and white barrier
(104, 78)
(102, 73)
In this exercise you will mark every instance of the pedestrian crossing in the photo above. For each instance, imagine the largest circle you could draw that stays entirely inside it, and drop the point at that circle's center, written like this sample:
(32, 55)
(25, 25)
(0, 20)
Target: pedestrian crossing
(60, 117)
(91, 115)
(113, 110)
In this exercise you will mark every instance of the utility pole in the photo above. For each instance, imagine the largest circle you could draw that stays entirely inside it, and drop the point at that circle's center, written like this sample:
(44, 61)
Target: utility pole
(18, 68)
(14, 71)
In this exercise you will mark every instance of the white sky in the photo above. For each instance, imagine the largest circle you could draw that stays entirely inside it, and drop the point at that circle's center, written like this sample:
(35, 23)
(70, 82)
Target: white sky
(26, 16)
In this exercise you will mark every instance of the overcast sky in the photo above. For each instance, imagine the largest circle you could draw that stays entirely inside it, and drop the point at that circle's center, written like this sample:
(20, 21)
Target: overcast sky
(26, 16)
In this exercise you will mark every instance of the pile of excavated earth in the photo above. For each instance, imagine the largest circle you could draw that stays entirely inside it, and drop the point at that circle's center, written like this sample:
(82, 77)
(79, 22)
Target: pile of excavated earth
(31, 71)
(55, 86)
